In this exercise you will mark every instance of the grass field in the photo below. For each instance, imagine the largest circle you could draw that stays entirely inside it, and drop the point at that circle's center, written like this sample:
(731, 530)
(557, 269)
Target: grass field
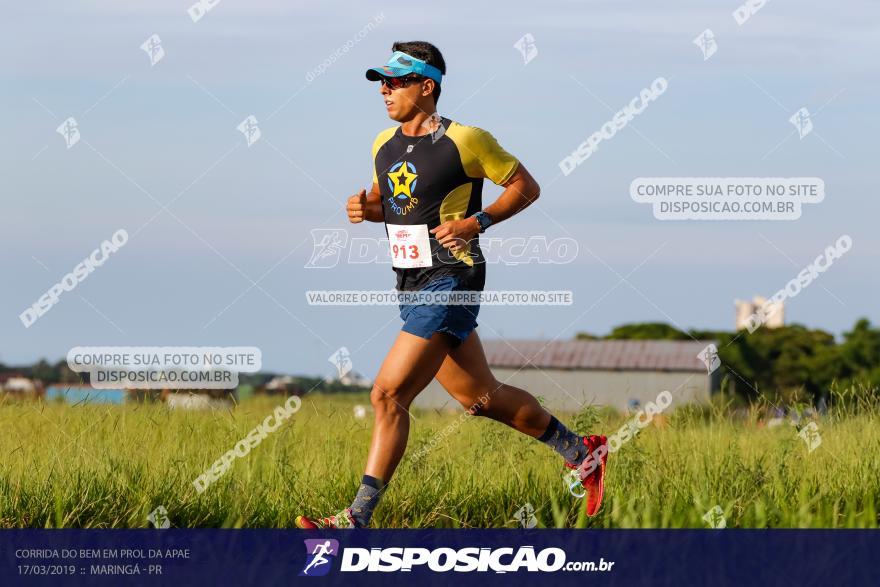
(109, 466)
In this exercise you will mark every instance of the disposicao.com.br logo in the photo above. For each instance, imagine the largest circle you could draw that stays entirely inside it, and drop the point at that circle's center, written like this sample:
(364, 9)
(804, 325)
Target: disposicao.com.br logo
(444, 559)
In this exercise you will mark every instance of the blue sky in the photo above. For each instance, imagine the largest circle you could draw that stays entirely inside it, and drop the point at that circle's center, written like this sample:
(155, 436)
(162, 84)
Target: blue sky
(243, 213)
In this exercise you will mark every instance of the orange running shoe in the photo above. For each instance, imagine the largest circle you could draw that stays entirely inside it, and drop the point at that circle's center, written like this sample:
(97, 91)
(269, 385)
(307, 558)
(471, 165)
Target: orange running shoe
(343, 519)
(592, 472)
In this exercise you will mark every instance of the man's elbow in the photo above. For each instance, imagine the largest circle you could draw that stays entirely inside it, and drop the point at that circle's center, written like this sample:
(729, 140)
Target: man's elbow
(534, 190)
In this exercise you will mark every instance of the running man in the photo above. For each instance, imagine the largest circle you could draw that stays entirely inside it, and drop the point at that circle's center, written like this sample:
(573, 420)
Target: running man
(428, 176)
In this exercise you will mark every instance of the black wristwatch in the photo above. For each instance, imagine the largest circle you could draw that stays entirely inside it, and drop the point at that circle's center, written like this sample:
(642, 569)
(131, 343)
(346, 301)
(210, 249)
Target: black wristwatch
(484, 220)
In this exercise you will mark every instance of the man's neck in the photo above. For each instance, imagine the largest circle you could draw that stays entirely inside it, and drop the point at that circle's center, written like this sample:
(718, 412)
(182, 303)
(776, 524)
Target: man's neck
(420, 124)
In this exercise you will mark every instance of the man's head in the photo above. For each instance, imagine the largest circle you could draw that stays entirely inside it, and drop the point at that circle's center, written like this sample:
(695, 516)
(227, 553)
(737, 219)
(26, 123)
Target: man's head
(410, 81)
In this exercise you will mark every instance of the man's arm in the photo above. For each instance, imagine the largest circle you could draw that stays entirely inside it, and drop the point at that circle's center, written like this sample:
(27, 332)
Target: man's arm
(366, 206)
(520, 191)
(374, 205)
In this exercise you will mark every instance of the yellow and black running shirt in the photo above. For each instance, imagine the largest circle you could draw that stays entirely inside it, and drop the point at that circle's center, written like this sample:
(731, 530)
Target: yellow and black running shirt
(427, 180)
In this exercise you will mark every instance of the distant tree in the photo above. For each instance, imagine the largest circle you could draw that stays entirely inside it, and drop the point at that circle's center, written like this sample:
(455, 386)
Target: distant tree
(647, 331)
(45, 372)
(66, 374)
(710, 334)
(860, 354)
(775, 362)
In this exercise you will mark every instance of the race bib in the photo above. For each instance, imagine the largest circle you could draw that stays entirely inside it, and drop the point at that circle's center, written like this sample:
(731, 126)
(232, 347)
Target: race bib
(410, 245)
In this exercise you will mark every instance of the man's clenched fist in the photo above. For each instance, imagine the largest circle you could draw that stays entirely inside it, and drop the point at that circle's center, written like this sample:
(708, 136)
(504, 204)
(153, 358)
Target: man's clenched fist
(357, 207)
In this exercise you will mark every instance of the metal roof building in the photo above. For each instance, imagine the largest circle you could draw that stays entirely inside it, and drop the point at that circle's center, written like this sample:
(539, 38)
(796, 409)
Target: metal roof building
(573, 373)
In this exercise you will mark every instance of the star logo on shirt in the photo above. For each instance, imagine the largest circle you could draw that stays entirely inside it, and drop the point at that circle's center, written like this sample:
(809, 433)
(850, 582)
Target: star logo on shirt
(403, 180)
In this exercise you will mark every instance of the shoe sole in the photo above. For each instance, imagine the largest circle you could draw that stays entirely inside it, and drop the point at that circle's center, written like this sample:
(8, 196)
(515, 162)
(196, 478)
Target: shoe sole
(595, 485)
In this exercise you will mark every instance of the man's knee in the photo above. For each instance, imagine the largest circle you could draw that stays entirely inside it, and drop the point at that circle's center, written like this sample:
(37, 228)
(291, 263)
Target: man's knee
(388, 398)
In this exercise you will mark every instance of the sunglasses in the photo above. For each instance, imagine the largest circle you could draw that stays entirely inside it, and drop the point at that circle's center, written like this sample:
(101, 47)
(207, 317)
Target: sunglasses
(395, 83)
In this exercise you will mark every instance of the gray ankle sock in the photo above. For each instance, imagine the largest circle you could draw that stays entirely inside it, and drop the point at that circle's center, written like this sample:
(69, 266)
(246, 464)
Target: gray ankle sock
(366, 500)
(565, 442)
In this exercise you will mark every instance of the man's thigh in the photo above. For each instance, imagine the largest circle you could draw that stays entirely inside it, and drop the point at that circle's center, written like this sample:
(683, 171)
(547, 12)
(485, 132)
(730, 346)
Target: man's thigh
(411, 364)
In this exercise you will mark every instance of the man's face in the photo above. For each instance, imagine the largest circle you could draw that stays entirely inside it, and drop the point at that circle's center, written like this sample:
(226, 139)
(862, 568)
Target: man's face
(403, 103)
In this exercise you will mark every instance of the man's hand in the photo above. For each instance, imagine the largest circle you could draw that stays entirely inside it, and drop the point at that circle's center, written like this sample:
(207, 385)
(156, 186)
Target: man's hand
(357, 207)
(455, 234)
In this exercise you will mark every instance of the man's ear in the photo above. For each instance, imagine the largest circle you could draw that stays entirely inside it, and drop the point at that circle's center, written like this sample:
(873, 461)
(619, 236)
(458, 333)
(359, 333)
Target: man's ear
(428, 88)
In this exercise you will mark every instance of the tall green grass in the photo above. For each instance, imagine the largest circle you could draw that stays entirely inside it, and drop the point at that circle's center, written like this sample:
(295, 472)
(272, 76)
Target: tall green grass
(109, 466)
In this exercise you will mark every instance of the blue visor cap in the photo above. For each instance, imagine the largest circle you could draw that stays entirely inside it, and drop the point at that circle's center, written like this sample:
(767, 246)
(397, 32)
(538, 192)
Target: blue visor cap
(402, 64)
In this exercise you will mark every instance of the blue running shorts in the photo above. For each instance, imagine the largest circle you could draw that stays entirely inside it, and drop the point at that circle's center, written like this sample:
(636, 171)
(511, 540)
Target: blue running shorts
(425, 319)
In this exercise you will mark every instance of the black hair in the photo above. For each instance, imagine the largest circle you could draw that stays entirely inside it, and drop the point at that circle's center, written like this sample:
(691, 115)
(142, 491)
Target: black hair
(426, 52)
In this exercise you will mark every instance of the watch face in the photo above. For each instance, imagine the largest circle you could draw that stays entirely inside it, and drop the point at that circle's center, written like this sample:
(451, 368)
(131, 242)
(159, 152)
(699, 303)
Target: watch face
(483, 221)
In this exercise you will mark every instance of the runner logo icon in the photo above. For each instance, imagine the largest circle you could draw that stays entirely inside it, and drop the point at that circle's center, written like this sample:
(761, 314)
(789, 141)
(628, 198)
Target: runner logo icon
(321, 552)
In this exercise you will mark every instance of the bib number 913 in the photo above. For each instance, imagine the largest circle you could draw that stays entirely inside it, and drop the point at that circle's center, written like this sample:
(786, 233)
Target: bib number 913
(410, 245)
(405, 251)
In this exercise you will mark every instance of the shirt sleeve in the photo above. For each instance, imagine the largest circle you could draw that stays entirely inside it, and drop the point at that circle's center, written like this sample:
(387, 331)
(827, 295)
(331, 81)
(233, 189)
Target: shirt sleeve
(482, 156)
(375, 178)
(380, 140)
